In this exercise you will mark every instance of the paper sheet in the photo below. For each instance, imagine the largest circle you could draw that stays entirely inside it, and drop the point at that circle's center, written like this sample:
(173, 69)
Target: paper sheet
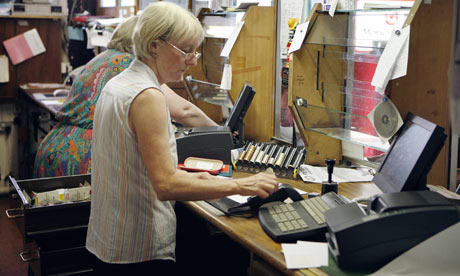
(314, 174)
(96, 38)
(305, 254)
(4, 72)
(299, 37)
(437, 255)
(289, 9)
(333, 7)
(24, 46)
(389, 59)
(226, 82)
(232, 39)
(242, 199)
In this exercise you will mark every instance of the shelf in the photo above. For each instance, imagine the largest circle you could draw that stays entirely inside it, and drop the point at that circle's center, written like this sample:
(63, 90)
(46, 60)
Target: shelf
(340, 125)
(366, 10)
(354, 137)
(359, 28)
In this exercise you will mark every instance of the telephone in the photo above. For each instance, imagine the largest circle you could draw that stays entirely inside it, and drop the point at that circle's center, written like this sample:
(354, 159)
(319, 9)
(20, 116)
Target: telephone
(254, 202)
(392, 224)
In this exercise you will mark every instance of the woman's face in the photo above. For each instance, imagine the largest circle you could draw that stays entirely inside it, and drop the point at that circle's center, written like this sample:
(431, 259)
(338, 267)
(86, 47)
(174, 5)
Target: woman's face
(173, 59)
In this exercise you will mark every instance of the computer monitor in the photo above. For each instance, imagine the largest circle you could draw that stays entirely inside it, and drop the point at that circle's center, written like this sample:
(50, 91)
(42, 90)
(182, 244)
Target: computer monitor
(411, 155)
(241, 106)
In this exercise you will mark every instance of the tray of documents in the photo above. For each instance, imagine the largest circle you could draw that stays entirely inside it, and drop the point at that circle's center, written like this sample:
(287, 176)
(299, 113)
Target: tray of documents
(53, 214)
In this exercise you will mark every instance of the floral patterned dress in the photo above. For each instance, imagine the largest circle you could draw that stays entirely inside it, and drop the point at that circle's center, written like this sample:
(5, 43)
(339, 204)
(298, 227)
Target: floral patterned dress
(66, 149)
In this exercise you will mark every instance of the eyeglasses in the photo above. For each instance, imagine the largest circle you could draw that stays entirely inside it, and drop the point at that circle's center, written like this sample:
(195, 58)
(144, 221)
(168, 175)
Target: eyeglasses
(188, 56)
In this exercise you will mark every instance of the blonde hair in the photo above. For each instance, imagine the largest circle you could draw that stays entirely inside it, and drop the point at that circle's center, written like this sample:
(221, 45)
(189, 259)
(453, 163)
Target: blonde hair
(122, 36)
(167, 21)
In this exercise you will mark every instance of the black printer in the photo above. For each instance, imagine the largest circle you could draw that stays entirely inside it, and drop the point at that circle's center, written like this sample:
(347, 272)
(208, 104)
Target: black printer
(205, 142)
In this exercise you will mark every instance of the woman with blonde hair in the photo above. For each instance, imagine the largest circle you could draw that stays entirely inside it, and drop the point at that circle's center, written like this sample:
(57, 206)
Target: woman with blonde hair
(135, 181)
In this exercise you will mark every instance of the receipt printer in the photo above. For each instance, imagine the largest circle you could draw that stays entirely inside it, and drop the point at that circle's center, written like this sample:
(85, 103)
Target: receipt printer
(206, 142)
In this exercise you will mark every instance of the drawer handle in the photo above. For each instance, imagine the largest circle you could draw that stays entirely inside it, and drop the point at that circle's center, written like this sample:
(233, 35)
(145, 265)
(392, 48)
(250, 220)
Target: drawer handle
(27, 256)
(14, 213)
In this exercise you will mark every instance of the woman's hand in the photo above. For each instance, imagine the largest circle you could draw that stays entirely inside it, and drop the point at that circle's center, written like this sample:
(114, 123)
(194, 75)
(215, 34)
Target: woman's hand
(262, 184)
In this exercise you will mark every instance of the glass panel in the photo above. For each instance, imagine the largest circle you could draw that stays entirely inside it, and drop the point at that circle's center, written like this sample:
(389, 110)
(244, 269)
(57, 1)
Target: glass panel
(212, 63)
(209, 92)
(332, 123)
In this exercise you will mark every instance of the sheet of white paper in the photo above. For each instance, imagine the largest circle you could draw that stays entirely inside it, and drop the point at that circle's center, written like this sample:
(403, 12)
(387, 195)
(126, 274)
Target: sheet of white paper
(437, 255)
(400, 67)
(232, 39)
(305, 254)
(53, 102)
(387, 60)
(333, 7)
(242, 199)
(88, 42)
(314, 174)
(238, 198)
(299, 37)
(35, 43)
(4, 73)
(289, 9)
(100, 40)
(226, 82)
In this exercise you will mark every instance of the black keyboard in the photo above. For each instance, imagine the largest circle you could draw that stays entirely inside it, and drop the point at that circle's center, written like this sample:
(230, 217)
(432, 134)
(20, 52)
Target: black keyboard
(299, 220)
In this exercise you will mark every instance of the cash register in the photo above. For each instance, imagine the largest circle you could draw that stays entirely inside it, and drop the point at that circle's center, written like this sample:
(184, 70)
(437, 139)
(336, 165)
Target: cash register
(405, 214)
(216, 142)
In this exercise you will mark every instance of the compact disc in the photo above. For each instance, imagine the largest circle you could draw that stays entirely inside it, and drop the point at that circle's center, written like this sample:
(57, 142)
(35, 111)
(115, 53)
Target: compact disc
(385, 118)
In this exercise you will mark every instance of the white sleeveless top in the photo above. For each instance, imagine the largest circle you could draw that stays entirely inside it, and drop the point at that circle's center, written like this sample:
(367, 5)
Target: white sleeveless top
(128, 223)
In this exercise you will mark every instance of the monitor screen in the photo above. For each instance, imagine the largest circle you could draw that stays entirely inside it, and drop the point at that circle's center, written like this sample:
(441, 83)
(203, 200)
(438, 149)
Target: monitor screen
(411, 155)
(235, 119)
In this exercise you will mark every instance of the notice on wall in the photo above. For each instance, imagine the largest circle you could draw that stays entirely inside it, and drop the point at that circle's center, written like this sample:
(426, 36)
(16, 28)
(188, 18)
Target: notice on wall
(4, 74)
(393, 61)
(24, 46)
(289, 9)
(299, 37)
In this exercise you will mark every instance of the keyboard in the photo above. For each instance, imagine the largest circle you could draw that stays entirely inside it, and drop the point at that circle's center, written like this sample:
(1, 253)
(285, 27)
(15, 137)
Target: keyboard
(299, 220)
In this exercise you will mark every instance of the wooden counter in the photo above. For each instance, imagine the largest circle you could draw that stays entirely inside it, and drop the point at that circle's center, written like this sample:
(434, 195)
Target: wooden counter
(249, 233)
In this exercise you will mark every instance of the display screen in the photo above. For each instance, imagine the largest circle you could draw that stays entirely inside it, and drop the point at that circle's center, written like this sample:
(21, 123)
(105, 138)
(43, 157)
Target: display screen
(235, 119)
(410, 156)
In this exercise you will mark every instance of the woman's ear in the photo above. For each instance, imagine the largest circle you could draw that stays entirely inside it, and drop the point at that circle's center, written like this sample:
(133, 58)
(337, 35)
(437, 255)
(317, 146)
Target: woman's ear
(153, 47)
